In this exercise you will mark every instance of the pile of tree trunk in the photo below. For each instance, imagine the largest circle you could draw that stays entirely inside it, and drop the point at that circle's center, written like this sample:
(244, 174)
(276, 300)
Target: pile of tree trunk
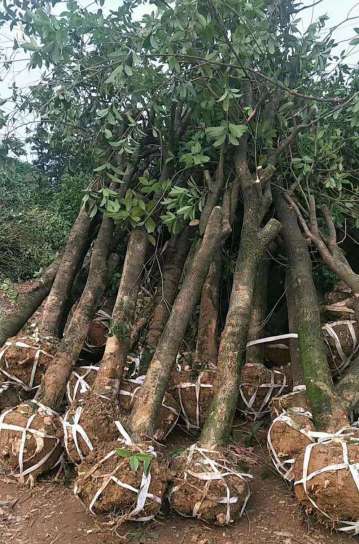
(107, 374)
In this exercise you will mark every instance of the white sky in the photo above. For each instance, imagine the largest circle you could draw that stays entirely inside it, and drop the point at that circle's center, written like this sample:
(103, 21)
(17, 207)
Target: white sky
(337, 10)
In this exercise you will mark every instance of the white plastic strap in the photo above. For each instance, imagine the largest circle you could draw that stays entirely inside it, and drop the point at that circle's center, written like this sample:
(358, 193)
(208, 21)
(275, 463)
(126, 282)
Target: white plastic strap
(272, 386)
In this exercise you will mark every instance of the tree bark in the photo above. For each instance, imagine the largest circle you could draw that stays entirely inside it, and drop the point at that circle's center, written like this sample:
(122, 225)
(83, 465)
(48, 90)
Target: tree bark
(54, 382)
(148, 403)
(73, 255)
(109, 376)
(296, 367)
(232, 349)
(207, 338)
(176, 254)
(255, 353)
(27, 304)
(326, 407)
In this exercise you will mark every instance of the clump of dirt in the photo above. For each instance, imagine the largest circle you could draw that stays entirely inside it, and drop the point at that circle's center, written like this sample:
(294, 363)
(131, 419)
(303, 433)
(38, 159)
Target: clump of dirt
(80, 382)
(91, 420)
(326, 477)
(287, 438)
(258, 385)
(24, 360)
(194, 392)
(30, 440)
(11, 395)
(169, 412)
(127, 480)
(208, 486)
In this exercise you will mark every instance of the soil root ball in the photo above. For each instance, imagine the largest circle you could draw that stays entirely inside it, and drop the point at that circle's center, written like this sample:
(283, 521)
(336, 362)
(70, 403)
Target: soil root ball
(97, 335)
(288, 436)
(327, 479)
(258, 385)
(80, 382)
(342, 344)
(169, 412)
(30, 440)
(296, 399)
(24, 360)
(12, 394)
(126, 479)
(208, 486)
(194, 393)
(89, 421)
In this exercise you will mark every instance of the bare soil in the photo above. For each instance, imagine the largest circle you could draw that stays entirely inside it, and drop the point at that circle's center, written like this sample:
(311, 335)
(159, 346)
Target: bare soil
(49, 513)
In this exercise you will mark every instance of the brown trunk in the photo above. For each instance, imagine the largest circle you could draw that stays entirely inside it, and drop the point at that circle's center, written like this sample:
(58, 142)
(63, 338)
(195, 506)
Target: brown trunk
(296, 367)
(207, 339)
(232, 349)
(174, 262)
(148, 403)
(109, 376)
(55, 379)
(76, 246)
(27, 304)
(326, 408)
(255, 353)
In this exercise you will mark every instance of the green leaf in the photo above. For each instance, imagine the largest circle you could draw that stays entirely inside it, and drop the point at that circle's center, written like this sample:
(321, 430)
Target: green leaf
(134, 463)
(237, 130)
(122, 452)
(147, 463)
(150, 225)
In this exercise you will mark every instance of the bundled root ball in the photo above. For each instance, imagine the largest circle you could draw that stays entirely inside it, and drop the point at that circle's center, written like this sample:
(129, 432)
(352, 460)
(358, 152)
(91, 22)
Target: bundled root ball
(194, 393)
(169, 413)
(208, 486)
(90, 421)
(30, 440)
(341, 341)
(327, 480)
(296, 399)
(12, 394)
(80, 382)
(97, 335)
(126, 479)
(24, 360)
(277, 354)
(258, 385)
(289, 434)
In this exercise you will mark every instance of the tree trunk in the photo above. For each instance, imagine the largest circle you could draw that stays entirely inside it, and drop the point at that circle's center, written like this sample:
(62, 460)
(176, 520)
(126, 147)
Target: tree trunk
(54, 383)
(255, 353)
(176, 254)
(148, 403)
(27, 304)
(109, 376)
(296, 367)
(207, 339)
(232, 349)
(348, 388)
(327, 412)
(74, 253)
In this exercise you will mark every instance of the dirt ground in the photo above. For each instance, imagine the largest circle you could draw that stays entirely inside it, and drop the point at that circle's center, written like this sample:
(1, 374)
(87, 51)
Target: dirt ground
(49, 513)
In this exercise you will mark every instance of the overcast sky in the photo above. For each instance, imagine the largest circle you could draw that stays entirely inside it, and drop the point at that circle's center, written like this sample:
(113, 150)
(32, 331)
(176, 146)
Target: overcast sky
(337, 10)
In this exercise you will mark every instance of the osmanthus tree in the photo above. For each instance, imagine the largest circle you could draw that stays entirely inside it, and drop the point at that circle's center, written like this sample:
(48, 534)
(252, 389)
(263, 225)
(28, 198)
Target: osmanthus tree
(183, 120)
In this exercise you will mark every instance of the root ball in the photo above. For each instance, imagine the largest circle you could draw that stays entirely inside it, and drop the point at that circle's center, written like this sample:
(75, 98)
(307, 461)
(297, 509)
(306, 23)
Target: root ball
(208, 486)
(258, 385)
(194, 393)
(128, 480)
(89, 421)
(288, 436)
(327, 480)
(80, 382)
(24, 360)
(30, 440)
